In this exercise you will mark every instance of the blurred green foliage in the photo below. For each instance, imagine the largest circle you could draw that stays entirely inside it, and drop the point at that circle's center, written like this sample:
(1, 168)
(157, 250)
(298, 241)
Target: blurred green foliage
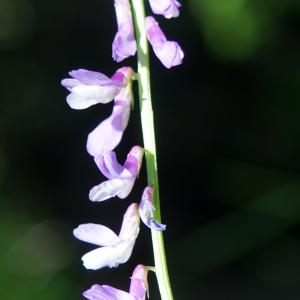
(16, 22)
(237, 29)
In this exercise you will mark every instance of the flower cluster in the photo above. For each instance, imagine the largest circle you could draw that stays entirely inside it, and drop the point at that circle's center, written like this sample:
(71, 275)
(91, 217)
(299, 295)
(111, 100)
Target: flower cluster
(124, 45)
(88, 88)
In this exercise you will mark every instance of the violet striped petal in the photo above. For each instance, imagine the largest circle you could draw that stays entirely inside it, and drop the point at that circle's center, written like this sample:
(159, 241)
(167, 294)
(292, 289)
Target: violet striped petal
(146, 210)
(168, 52)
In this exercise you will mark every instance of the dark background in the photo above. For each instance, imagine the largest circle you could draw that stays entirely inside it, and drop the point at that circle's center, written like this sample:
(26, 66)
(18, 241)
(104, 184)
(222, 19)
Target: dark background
(227, 127)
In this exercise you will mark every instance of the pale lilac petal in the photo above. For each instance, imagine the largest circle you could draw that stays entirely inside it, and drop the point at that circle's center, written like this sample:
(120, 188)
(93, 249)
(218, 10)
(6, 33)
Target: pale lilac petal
(134, 160)
(108, 134)
(168, 8)
(84, 96)
(121, 179)
(111, 188)
(139, 283)
(131, 223)
(119, 253)
(146, 211)
(89, 88)
(96, 234)
(108, 256)
(69, 83)
(168, 52)
(108, 165)
(124, 44)
(105, 292)
(90, 77)
(103, 137)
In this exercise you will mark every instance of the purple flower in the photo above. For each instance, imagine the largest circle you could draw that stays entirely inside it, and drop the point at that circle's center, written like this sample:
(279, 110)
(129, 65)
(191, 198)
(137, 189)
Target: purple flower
(139, 283)
(114, 249)
(88, 88)
(120, 178)
(138, 288)
(146, 210)
(168, 8)
(108, 134)
(124, 44)
(168, 52)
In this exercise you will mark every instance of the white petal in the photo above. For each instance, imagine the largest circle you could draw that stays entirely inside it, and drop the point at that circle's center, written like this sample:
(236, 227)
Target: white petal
(84, 96)
(111, 188)
(108, 256)
(96, 234)
(131, 223)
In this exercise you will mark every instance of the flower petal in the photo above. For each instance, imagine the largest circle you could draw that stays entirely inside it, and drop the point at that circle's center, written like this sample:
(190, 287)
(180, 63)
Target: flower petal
(87, 77)
(105, 292)
(134, 160)
(168, 8)
(146, 210)
(124, 44)
(108, 256)
(88, 88)
(131, 223)
(84, 96)
(168, 52)
(108, 134)
(139, 283)
(111, 188)
(108, 165)
(96, 234)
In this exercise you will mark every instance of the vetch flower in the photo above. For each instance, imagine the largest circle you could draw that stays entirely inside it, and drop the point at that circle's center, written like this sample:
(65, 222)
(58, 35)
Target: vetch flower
(168, 8)
(146, 210)
(139, 283)
(115, 249)
(120, 178)
(138, 288)
(89, 88)
(124, 44)
(168, 52)
(108, 134)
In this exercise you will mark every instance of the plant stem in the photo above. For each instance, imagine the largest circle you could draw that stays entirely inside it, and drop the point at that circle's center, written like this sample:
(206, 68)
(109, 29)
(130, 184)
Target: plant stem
(149, 145)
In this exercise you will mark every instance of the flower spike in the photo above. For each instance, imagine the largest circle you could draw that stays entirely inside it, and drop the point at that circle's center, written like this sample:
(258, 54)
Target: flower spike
(115, 249)
(168, 8)
(138, 288)
(120, 178)
(89, 88)
(108, 134)
(146, 210)
(124, 44)
(168, 52)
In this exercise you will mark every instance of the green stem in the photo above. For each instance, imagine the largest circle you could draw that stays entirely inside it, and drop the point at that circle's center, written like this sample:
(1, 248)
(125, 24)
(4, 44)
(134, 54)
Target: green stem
(149, 145)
